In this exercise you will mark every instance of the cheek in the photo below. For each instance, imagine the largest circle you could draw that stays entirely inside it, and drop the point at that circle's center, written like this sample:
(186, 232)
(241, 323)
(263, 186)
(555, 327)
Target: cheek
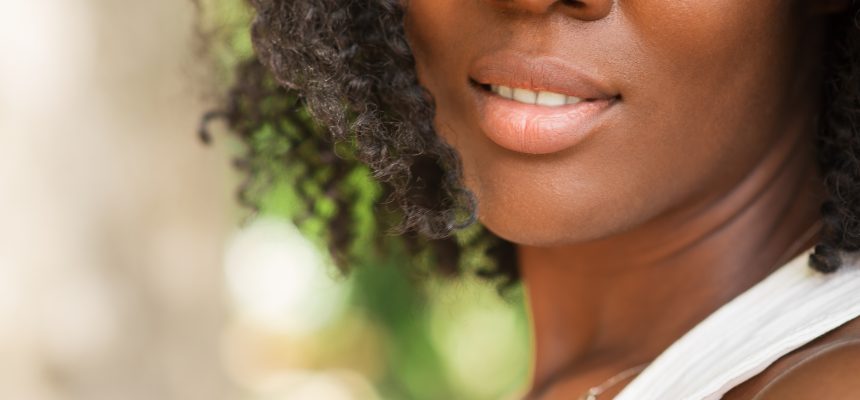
(711, 81)
(432, 26)
(709, 57)
(444, 36)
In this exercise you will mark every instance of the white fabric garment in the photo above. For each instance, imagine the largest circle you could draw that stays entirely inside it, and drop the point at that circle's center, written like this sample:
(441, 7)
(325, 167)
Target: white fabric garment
(792, 306)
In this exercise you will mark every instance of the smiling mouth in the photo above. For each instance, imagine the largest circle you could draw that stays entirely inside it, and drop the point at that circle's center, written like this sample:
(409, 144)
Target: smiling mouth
(543, 98)
(538, 103)
(530, 121)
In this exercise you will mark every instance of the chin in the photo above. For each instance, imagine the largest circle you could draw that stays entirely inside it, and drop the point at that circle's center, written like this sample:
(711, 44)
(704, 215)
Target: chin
(542, 226)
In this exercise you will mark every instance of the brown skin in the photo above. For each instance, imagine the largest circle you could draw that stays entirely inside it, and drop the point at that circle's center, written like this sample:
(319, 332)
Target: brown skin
(693, 191)
(825, 368)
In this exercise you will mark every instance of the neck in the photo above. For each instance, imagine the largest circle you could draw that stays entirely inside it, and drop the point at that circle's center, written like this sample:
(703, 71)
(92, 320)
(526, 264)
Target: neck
(612, 303)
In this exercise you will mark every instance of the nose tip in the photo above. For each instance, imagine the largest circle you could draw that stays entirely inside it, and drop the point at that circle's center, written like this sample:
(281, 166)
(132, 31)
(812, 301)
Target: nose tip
(586, 10)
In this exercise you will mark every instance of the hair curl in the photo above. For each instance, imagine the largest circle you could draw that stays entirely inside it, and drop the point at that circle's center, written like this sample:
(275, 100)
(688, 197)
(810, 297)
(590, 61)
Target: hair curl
(335, 83)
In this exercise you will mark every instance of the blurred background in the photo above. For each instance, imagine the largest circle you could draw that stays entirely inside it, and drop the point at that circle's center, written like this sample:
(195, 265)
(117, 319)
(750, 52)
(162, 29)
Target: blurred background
(128, 270)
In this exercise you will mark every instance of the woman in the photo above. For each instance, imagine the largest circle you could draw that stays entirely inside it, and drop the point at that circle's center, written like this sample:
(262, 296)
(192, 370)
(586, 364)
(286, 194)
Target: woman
(644, 162)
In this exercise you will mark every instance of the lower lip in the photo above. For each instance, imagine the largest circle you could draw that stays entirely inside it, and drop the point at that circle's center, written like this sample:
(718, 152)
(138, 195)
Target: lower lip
(533, 129)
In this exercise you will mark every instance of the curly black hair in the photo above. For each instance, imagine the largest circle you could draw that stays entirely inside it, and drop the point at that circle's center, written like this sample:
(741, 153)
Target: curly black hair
(334, 92)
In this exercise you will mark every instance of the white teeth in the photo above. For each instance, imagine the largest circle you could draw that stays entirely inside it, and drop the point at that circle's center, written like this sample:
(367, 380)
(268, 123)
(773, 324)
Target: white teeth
(525, 96)
(548, 99)
(572, 100)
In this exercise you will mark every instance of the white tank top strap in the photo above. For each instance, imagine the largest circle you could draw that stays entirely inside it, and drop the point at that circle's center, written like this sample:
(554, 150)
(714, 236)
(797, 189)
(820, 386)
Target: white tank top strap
(789, 308)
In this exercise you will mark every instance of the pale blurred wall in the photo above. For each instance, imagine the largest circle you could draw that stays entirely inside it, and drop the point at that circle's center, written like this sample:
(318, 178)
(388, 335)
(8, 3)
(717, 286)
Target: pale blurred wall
(112, 215)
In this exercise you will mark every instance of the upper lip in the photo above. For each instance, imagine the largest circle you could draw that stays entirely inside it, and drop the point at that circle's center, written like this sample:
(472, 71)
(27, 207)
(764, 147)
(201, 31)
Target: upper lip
(538, 73)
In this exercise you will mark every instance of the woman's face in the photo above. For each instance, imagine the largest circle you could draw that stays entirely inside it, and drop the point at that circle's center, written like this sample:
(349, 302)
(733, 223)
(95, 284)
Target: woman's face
(671, 102)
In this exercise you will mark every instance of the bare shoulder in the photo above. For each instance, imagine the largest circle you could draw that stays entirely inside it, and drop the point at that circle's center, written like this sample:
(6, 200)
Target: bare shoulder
(828, 373)
(825, 363)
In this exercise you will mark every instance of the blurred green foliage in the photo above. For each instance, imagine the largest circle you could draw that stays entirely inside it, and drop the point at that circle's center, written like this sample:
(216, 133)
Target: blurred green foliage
(443, 338)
